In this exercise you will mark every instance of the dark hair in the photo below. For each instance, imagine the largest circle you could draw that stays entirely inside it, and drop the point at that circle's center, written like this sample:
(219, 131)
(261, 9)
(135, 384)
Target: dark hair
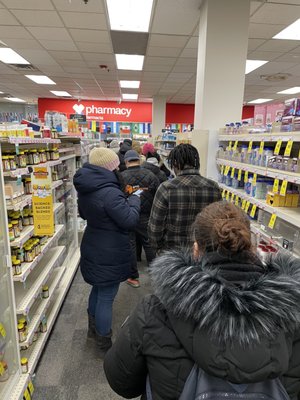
(150, 155)
(222, 226)
(184, 155)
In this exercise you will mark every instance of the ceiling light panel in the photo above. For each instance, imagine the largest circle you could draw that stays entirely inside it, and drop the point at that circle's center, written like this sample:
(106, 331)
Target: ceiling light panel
(129, 15)
(129, 96)
(15, 99)
(291, 32)
(9, 56)
(41, 79)
(60, 93)
(259, 101)
(129, 62)
(251, 65)
(130, 84)
(292, 90)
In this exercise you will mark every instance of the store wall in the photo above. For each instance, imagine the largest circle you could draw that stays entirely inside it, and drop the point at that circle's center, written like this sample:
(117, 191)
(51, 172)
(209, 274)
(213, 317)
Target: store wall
(16, 111)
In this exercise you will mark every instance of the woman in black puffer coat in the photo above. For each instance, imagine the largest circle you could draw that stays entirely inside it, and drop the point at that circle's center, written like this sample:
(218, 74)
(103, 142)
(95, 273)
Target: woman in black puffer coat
(220, 309)
(105, 248)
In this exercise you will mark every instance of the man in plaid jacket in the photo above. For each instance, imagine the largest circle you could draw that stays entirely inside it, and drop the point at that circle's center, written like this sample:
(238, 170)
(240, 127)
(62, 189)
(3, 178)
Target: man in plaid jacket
(178, 201)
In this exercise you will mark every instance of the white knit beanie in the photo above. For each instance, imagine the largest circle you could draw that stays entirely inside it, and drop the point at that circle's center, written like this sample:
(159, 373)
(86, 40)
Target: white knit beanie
(104, 158)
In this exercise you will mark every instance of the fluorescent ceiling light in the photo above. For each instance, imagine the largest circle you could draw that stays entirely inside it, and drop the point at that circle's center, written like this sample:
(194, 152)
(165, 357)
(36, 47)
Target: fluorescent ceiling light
(60, 93)
(15, 99)
(9, 56)
(292, 90)
(251, 65)
(129, 96)
(129, 15)
(1, 92)
(291, 32)
(259, 101)
(132, 62)
(130, 84)
(41, 79)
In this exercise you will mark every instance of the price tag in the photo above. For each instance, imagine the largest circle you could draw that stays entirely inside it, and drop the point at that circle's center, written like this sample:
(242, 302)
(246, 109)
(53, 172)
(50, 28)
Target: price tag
(237, 200)
(240, 175)
(276, 186)
(250, 146)
(235, 145)
(223, 193)
(232, 172)
(227, 168)
(227, 196)
(26, 395)
(288, 149)
(261, 147)
(246, 177)
(229, 145)
(243, 204)
(2, 331)
(283, 188)
(272, 221)
(31, 387)
(253, 211)
(277, 147)
(254, 179)
(222, 169)
(232, 197)
(247, 206)
(1, 369)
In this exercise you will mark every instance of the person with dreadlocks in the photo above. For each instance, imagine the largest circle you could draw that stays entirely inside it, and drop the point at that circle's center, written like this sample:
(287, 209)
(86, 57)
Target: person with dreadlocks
(178, 201)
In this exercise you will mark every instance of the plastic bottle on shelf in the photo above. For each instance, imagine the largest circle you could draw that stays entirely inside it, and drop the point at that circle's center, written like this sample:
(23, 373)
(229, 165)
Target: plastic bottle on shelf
(244, 150)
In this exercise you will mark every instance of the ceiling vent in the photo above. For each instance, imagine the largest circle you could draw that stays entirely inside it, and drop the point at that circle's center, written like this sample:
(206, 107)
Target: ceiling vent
(275, 77)
(23, 67)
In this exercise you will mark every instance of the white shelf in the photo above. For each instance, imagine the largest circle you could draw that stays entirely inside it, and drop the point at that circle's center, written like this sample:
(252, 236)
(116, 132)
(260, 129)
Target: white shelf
(16, 390)
(262, 137)
(24, 171)
(43, 306)
(66, 149)
(28, 140)
(291, 215)
(26, 201)
(28, 267)
(292, 177)
(49, 261)
(64, 158)
(34, 351)
(26, 234)
(56, 184)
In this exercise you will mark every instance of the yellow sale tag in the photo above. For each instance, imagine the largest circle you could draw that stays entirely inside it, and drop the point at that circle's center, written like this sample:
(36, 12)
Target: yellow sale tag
(2, 331)
(227, 168)
(246, 177)
(276, 186)
(222, 169)
(229, 145)
(237, 200)
(272, 221)
(235, 145)
(26, 395)
(288, 149)
(250, 146)
(227, 196)
(277, 147)
(299, 154)
(247, 206)
(240, 175)
(1, 369)
(261, 147)
(283, 188)
(253, 211)
(31, 387)
(243, 204)
(232, 197)
(254, 179)
(232, 172)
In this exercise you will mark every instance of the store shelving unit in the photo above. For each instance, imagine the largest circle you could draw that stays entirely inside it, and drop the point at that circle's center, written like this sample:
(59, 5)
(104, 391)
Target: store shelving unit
(55, 266)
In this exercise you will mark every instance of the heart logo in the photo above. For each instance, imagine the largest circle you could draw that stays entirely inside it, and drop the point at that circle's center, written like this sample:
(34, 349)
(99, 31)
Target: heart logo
(78, 108)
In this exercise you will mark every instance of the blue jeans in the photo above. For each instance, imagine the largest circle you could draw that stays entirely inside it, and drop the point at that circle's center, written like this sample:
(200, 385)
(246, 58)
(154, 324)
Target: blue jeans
(100, 306)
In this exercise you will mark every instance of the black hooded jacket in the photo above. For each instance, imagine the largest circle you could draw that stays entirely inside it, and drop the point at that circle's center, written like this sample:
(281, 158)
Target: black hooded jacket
(235, 318)
(127, 145)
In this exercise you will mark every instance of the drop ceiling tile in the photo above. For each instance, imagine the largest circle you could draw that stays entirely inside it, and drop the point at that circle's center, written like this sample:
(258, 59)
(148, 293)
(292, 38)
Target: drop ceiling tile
(182, 22)
(264, 31)
(164, 51)
(14, 32)
(6, 18)
(38, 57)
(189, 53)
(180, 76)
(264, 55)
(43, 33)
(293, 2)
(154, 76)
(254, 43)
(38, 18)
(58, 45)
(192, 43)
(157, 68)
(29, 4)
(75, 70)
(278, 45)
(20, 44)
(185, 69)
(160, 60)
(66, 55)
(79, 6)
(295, 71)
(254, 6)
(130, 75)
(71, 63)
(100, 58)
(168, 40)
(296, 50)
(289, 57)
(84, 20)
(94, 47)
(129, 42)
(280, 13)
(90, 35)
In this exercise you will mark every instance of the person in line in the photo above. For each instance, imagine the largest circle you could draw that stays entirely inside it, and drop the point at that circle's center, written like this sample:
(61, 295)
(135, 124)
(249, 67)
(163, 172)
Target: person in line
(152, 162)
(149, 148)
(178, 201)
(135, 178)
(217, 307)
(124, 147)
(114, 145)
(105, 248)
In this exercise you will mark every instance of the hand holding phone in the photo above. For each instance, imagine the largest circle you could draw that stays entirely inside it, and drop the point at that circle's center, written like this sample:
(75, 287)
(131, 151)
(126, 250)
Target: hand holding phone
(138, 192)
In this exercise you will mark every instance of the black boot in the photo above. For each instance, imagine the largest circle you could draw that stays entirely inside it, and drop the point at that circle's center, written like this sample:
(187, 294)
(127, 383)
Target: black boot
(91, 327)
(104, 342)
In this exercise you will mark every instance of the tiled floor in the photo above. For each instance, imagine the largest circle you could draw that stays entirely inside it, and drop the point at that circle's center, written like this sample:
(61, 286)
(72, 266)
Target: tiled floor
(70, 367)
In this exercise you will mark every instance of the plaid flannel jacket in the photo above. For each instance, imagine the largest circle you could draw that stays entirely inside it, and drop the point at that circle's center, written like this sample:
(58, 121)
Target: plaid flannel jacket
(175, 206)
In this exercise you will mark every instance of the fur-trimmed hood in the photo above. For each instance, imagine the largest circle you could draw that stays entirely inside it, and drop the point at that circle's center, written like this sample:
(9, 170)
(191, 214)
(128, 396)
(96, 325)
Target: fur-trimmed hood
(243, 311)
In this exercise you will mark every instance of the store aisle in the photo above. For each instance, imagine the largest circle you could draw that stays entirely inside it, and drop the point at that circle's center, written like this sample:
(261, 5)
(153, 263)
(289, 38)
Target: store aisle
(69, 368)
